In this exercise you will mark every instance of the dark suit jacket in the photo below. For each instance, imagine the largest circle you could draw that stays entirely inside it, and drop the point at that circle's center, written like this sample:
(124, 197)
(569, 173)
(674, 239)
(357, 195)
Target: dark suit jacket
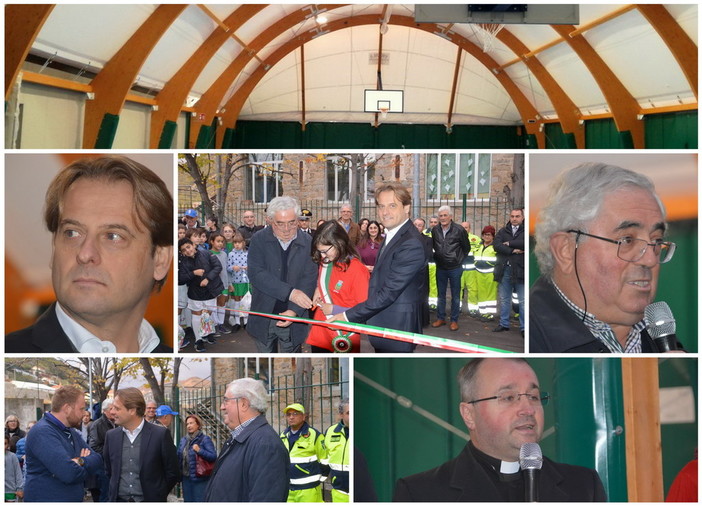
(46, 335)
(267, 287)
(553, 327)
(158, 462)
(396, 290)
(463, 479)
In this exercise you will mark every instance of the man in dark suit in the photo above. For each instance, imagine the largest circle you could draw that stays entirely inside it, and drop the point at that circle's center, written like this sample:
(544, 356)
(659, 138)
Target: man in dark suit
(502, 408)
(140, 458)
(509, 271)
(283, 278)
(397, 284)
(112, 248)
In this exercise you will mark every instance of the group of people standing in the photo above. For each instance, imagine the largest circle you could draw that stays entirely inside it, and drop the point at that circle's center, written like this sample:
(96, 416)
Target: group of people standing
(340, 272)
(130, 456)
(213, 282)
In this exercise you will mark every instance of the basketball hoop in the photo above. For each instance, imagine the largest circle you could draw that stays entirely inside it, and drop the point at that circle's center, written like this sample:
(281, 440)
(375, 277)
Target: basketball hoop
(487, 33)
(383, 112)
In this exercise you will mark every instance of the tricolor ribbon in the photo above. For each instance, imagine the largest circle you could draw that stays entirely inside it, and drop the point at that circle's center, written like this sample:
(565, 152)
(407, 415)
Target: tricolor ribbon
(392, 334)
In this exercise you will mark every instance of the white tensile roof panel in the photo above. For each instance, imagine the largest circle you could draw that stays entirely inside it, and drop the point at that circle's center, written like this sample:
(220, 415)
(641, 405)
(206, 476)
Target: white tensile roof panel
(90, 33)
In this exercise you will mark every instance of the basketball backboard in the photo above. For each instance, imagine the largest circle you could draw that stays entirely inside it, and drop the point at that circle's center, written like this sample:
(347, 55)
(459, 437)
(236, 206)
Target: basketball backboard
(536, 14)
(384, 101)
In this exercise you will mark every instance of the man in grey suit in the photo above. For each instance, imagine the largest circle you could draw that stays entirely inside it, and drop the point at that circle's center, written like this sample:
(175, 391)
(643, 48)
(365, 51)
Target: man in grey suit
(397, 284)
(283, 278)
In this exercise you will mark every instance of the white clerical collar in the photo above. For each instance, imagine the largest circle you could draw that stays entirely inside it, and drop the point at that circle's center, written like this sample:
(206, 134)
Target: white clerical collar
(86, 342)
(509, 467)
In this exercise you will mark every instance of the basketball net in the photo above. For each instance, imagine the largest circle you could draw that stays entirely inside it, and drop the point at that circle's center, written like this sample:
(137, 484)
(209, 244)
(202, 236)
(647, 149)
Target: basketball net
(487, 32)
(383, 112)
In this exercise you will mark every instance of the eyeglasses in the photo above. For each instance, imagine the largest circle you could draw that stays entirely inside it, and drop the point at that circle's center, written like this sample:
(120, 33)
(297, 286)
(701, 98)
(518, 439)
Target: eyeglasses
(286, 225)
(633, 249)
(225, 399)
(291, 413)
(511, 398)
(325, 252)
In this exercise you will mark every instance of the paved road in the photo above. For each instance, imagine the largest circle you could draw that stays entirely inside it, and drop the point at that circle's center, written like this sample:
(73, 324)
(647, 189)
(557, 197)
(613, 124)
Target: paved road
(470, 331)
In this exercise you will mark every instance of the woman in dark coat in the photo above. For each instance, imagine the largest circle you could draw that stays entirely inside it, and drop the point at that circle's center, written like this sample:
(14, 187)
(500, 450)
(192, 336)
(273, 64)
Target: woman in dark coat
(194, 443)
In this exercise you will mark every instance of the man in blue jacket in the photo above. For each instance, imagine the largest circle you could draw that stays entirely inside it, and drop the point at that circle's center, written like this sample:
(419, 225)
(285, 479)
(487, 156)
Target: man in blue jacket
(253, 465)
(58, 460)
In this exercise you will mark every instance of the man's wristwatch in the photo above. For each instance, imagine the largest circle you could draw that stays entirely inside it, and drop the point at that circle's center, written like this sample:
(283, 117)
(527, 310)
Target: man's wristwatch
(81, 461)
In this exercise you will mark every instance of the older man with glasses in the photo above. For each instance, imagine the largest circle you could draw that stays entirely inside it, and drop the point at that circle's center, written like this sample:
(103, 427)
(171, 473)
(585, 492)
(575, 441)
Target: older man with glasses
(253, 465)
(600, 241)
(502, 407)
(283, 278)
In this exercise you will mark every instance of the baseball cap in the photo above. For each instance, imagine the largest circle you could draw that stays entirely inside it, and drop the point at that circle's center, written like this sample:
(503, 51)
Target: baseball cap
(294, 406)
(164, 410)
(191, 213)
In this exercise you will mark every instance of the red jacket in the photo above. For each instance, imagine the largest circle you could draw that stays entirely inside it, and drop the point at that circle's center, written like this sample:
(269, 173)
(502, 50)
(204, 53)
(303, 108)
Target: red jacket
(346, 289)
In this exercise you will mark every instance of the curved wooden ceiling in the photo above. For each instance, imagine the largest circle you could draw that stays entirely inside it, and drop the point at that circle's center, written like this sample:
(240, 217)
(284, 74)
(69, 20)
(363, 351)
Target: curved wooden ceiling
(244, 61)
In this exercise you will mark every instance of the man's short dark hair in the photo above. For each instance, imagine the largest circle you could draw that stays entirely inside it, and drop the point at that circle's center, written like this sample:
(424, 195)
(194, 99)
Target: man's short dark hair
(153, 204)
(66, 395)
(131, 397)
(184, 241)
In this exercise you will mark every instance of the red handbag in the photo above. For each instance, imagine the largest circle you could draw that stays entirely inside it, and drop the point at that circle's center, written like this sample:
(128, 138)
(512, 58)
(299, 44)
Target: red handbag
(203, 468)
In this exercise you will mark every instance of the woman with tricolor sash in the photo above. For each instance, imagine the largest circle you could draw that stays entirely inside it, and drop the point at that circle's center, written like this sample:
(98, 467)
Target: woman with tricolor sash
(341, 284)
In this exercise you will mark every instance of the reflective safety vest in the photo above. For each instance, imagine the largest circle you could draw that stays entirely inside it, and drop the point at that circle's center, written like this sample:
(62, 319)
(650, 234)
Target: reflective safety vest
(336, 440)
(305, 456)
(469, 261)
(485, 259)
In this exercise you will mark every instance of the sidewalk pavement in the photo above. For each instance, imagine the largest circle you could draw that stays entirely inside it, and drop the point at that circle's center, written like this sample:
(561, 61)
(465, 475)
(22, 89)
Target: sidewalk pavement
(470, 330)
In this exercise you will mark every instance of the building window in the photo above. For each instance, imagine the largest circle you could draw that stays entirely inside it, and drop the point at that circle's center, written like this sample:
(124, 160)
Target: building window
(264, 179)
(340, 177)
(451, 175)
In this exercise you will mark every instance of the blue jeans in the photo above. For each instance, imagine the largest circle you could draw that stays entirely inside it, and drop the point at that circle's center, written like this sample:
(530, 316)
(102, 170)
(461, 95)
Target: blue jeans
(443, 277)
(504, 294)
(194, 491)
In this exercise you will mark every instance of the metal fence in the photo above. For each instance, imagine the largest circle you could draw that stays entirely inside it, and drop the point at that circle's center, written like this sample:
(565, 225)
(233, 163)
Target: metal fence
(479, 212)
(319, 395)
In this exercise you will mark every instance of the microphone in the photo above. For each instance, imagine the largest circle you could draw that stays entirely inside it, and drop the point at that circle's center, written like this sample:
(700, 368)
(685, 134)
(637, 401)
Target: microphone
(530, 461)
(660, 324)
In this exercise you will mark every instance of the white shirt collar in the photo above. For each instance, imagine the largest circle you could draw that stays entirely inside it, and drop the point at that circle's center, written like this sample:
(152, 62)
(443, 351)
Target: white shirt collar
(86, 342)
(390, 233)
(131, 435)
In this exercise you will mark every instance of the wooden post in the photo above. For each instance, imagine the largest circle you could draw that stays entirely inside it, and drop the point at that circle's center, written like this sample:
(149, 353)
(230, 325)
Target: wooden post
(644, 465)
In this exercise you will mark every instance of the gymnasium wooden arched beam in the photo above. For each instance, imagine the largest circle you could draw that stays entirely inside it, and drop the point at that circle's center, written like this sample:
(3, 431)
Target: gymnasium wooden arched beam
(622, 104)
(172, 97)
(525, 108)
(210, 100)
(569, 114)
(22, 25)
(112, 85)
(680, 44)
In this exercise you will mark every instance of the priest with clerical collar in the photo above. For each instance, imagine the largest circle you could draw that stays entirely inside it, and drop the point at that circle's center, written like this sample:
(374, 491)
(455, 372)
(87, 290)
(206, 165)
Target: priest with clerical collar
(501, 404)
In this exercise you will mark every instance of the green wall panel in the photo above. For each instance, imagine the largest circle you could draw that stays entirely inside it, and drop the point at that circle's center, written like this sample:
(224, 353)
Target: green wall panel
(556, 139)
(282, 135)
(679, 440)
(672, 130)
(602, 134)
